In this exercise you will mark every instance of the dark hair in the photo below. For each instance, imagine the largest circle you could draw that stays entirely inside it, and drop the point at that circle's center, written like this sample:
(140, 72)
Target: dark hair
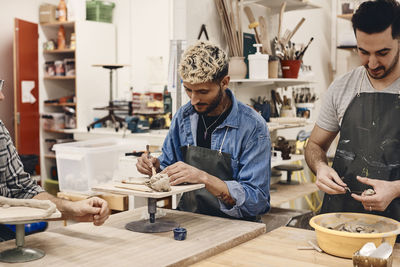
(376, 16)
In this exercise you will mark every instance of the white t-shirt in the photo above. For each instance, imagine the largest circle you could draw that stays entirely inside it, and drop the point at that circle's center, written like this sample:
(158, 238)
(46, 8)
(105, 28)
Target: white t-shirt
(341, 92)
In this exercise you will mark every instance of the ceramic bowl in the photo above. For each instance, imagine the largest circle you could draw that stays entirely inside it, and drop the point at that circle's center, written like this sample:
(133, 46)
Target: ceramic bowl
(345, 244)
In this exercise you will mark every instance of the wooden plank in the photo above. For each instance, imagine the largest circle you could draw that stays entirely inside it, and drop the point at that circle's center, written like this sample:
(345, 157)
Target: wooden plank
(115, 201)
(178, 189)
(285, 193)
(279, 248)
(83, 244)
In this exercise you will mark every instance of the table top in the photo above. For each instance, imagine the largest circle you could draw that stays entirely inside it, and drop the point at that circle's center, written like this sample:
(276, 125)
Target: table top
(279, 248)
(84, 244)
(285, 193)
(178, 189)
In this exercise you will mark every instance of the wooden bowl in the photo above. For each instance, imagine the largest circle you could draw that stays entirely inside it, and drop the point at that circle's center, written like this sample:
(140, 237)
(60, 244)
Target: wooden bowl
(345, 244)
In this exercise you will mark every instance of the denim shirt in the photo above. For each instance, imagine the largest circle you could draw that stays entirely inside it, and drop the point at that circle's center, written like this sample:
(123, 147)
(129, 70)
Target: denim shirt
(248, 143)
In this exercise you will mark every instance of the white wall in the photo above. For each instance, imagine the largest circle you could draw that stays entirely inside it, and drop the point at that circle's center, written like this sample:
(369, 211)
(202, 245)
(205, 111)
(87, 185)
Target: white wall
(143, 34)
(9, 9)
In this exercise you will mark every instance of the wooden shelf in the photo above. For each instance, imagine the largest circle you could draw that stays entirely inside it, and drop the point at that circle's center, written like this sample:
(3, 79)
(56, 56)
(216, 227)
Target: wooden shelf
(60, 104)
(50, 156)
(59, 77)
(279, 82)
(64, 131)
(58, 23)
(59, 51)
(276, 4)
(345, 16)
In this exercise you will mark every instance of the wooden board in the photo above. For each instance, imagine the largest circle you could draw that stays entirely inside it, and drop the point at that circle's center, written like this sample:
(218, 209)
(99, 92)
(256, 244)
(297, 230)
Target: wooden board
(115, 201)
(279, 248)
(14, 215)
(86, 245)
(178, 189)
(285, 193)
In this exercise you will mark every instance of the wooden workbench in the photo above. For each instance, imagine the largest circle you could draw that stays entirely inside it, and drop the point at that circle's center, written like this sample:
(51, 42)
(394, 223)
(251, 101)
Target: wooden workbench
(286, 193)
(279, 248)
(86, 245)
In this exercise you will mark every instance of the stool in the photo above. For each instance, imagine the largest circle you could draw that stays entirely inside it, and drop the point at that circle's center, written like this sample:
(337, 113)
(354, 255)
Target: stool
(117, 121)
(289, 168)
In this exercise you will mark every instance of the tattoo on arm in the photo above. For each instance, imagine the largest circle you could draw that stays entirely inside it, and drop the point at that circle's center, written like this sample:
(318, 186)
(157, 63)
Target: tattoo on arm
(226, 198)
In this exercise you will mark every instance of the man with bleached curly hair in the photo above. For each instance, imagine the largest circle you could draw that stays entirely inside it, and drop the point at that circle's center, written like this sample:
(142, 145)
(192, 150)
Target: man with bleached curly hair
(217, 141)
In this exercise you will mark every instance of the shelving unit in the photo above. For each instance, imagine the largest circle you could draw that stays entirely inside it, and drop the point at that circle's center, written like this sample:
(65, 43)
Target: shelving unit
(343, 57)
(250, 88)
(276, 4)
(51, 86)
(95, 44)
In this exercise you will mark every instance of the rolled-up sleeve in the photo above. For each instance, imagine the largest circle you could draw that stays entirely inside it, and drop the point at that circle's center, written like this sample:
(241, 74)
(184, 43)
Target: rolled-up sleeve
(251, 188)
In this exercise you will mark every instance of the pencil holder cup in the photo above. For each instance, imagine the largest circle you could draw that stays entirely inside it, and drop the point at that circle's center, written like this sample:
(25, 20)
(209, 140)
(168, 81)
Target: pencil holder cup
(290, 68)
(273, 65)
(237, 68)
(180, 233)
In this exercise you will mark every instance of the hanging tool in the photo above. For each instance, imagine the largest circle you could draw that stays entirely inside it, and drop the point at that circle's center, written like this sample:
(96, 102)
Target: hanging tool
(264, 36)
(203, 30)
(253, 23)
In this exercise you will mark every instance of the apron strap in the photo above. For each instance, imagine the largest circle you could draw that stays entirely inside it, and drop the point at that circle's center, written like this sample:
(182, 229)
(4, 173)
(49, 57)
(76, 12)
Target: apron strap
(223, 140)
(362, 79)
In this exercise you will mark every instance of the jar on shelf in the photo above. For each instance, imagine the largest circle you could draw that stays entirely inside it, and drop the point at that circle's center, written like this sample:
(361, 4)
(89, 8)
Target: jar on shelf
(62, 11)
(69, 64)
(60, 69)
(61, 38)
(72, 41)
(49, 68)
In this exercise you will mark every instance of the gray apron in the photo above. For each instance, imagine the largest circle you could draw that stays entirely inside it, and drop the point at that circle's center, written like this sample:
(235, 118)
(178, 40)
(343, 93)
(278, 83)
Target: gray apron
(216, 163)
(369, 146)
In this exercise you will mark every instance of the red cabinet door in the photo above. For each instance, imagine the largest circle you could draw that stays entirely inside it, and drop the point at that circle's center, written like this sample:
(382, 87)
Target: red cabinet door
(26, 86)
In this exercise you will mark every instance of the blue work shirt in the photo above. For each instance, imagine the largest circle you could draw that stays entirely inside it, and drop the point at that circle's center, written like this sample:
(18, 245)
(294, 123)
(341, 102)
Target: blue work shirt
(248, 143)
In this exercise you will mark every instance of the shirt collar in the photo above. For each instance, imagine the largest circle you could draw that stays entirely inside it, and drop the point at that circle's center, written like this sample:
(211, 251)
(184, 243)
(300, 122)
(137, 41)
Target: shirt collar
(232, 120)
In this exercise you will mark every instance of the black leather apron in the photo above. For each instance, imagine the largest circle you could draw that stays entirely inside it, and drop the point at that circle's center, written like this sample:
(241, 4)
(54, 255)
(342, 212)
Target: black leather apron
(369, 146)
(216, 163)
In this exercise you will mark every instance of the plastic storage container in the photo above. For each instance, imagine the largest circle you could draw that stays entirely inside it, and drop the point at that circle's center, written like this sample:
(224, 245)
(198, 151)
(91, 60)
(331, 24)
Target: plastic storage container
(53, 121)
(82, 165)
(99, 10)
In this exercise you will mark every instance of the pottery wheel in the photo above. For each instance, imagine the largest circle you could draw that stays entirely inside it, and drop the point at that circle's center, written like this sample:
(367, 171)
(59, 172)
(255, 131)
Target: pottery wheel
(145, 226)
(19, 212)
(152, 225)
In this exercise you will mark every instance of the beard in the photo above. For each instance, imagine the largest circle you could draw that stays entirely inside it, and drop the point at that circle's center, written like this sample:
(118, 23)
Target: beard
(213, 105)
(386, 72)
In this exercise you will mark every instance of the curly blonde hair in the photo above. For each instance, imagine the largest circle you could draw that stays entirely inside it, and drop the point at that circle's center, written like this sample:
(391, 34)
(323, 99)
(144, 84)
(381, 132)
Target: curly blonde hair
(203, 62)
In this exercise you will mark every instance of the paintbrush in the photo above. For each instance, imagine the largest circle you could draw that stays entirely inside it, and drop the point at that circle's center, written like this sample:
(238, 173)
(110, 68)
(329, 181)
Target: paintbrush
(301, 54)
(153, 169)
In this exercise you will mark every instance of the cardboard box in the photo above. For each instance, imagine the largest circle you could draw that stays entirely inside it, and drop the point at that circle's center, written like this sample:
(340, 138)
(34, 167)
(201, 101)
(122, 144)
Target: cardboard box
(364, 261)
(47, 13)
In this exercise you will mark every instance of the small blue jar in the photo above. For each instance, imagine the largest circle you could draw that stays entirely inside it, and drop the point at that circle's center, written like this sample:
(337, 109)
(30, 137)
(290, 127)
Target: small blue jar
(179, 233)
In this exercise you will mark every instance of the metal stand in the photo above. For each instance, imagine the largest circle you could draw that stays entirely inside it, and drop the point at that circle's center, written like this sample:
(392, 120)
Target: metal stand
(20, 254)
(152, 226)
(117, 121)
